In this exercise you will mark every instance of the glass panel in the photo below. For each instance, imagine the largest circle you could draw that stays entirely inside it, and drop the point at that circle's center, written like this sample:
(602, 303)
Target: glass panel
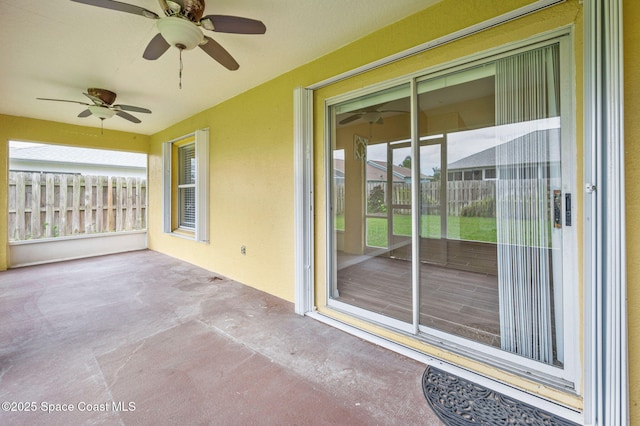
(490, 204)
(401, 182)
(187, 207)
(471, 199)
(495, 277)
(459, 290)
(338, 189)
(186, 186)
(432, 198)
(372, 264)
(187, 164)
(377, 227)
(377, 232)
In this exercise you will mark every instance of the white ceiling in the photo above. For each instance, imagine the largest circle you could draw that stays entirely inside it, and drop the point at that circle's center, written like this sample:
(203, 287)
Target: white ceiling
(59, 48)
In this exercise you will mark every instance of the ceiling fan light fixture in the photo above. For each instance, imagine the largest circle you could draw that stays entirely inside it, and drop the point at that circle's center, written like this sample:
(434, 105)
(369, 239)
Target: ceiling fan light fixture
(101, 112)
(180, 32)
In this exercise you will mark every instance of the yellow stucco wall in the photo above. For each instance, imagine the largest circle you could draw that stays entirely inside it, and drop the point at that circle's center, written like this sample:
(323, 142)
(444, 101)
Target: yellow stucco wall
(251, 189)
(30, 130)
(631, 13)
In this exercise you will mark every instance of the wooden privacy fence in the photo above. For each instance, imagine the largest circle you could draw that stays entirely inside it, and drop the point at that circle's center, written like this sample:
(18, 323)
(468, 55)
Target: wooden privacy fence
(460, 194)
(45, 205)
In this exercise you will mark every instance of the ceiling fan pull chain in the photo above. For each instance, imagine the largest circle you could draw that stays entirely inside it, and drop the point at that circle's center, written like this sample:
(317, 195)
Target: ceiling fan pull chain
(180, 72)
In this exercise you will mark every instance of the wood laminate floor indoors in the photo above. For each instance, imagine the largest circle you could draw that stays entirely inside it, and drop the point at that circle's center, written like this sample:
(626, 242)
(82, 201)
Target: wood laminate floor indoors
(460, 302)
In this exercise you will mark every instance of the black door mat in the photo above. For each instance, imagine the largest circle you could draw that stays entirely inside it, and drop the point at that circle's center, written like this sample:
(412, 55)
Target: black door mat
(459, 402)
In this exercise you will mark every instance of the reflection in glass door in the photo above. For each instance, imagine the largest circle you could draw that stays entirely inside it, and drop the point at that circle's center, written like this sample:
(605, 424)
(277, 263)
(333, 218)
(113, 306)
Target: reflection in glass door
(399, 180)
(482, 182)
(433, 199)
(373, 246)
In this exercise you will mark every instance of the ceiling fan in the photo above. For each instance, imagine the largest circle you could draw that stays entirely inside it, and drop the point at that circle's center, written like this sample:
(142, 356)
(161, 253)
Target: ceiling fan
(102, 106)
(371, 115)
(180, 27)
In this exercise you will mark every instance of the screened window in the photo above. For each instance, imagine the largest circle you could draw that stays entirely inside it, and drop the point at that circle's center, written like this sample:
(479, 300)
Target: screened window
(455, 176)
(490, 174)
(185, 186)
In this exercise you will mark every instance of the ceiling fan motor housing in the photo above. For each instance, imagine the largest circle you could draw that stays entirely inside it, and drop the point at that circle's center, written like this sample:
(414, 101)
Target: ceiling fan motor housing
(106, 96)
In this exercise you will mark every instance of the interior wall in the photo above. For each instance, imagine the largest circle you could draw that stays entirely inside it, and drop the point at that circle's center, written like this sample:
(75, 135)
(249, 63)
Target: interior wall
(631, 14)
(31, 130)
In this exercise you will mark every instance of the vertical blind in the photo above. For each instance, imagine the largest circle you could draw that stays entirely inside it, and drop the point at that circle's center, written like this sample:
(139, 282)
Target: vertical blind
(527, 90)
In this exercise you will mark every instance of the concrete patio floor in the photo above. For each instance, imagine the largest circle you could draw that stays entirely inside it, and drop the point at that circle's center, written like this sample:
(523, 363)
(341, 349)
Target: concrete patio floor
(143, 338)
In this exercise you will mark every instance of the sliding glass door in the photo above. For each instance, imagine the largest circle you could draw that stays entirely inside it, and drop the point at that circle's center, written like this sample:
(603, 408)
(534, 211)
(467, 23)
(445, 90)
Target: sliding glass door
(453, 206)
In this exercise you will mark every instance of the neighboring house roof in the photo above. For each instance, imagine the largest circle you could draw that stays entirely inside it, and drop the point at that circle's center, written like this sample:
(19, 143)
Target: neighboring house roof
(66, 154)
(377, 171)
(45, 158)
(487, 158)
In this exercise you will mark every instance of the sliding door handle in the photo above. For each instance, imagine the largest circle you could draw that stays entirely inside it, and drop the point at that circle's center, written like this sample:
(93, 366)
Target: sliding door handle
(557, 208)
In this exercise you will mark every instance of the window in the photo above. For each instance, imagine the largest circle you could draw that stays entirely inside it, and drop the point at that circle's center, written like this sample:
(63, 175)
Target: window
(455, 176)
(185, 186)
(490, 173)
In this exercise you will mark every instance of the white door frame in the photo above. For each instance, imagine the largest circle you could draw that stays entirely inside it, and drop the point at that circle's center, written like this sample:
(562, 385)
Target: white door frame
(303, 199)
(606, 390)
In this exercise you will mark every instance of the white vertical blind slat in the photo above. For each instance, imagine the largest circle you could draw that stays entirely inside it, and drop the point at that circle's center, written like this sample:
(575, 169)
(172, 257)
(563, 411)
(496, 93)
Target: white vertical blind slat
(526, 90)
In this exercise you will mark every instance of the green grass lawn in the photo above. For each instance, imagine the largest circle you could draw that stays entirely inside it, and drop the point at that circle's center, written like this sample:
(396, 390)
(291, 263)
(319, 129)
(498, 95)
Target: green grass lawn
(459, 228)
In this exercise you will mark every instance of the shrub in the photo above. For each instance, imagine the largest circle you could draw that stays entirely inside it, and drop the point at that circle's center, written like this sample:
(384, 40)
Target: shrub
(480, 208)
(376, 201)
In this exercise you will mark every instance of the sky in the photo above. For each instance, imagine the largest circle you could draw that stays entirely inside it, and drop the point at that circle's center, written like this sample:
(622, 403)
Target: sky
(463, 144)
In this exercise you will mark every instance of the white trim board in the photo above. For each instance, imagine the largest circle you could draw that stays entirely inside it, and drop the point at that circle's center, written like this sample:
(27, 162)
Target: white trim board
(48, 250)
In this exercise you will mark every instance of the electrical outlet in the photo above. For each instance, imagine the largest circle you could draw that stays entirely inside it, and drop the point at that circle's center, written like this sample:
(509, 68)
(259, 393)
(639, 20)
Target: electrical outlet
(243, 250)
